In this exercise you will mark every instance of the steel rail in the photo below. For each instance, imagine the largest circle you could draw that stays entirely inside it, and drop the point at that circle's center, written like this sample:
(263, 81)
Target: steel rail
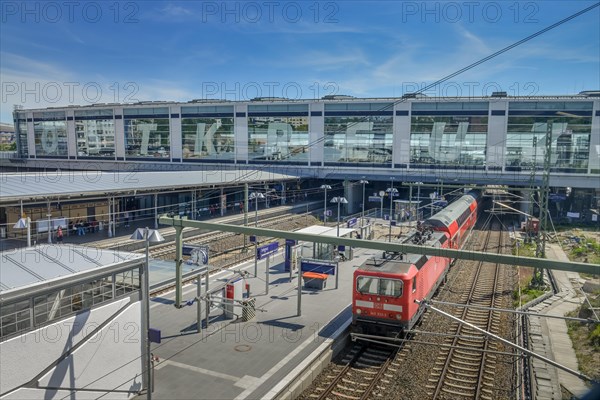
(442, 377)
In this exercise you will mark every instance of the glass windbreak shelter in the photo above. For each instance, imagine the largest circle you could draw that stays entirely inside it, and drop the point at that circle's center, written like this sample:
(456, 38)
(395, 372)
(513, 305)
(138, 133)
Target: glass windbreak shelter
(325, 251)
(45, 284)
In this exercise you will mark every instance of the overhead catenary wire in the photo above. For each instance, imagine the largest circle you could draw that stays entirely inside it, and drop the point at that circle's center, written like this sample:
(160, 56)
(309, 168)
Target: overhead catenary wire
(447, 77)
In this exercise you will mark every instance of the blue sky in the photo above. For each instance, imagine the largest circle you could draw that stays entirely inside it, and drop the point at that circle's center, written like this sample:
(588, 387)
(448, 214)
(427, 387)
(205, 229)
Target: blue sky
(53, 54)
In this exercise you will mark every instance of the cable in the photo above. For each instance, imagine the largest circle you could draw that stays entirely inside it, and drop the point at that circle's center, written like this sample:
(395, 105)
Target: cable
(447, 77)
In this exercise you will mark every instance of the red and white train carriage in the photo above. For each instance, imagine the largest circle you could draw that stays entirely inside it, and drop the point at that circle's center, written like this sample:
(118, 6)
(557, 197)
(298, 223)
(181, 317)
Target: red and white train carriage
(385, 289)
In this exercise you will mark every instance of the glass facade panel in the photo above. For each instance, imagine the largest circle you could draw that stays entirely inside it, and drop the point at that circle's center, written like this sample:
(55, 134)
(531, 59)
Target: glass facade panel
(16, 317)
(22, 141)
(208, 138)
(448, 140)
(50, 132)
(147, 132)
(571, 130)
(525, 143)
(359, 139)
(95, 137)
(278, 138)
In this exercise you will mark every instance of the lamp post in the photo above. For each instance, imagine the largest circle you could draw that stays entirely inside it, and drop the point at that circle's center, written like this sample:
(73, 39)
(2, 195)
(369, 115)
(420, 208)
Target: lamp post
(325, 187)
(22, 223)
(149, 236)
(339, 201)
(391, 190)
(362, 217)
(255, 196)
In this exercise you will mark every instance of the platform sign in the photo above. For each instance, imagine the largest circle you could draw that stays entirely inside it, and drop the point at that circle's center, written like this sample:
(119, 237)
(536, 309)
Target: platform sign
(386, 217)
(252, 239)
(557, 197)
(375, 199)
(263, 252)
(341, 247)
(291, 242)
(318, 267)
(154, 335)
(352, 222)
(328, 213)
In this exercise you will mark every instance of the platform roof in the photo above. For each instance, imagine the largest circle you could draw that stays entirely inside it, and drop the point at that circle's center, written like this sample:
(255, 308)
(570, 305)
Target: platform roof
(31, 269)
(325, 230)
(62, 184)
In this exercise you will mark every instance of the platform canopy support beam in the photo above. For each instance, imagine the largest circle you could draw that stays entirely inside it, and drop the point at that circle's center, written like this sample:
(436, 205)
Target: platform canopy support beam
(178, 264)
(507, 259)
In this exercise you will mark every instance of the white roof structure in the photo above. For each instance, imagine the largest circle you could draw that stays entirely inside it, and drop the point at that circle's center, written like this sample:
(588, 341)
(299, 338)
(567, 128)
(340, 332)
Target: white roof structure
(45, 266)
(61, 184)
(325, 230)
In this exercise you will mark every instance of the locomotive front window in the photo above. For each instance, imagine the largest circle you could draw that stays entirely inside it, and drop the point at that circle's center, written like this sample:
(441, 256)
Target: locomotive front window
(390, 287)
(377, 286)
(367, 284)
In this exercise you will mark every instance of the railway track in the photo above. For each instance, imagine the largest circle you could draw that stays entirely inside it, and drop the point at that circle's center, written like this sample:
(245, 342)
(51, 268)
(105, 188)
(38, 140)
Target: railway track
(361, 370)
(124, 243)
(166, 249)
(465, 367)
(440, 359)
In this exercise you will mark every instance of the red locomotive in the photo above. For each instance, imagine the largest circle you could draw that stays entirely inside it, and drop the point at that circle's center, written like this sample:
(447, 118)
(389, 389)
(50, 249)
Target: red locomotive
(385, 289)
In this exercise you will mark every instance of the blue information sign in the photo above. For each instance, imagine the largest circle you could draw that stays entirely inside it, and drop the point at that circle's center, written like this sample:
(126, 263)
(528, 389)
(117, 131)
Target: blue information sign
(291, 242)
(320, 268)
(252, 239)
(263, 252)
(352, 222)
(154, 335)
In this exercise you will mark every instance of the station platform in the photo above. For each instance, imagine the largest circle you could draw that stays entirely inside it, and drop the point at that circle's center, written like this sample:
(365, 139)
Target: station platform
(124, 231)
(248, 360)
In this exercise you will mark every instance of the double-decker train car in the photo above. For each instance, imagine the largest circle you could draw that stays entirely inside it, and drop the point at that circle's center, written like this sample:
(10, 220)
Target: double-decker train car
(457, 219)
(385, 289)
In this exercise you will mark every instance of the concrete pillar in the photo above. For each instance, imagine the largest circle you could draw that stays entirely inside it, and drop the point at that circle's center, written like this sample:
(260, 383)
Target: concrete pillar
(175, 137)
(30, 135)
(240, 129)
(316, 132)
(353, 193)
(71, 135)
(178, 265)
(496, 137)
(119, 133)
(594, 157)
(401, 142)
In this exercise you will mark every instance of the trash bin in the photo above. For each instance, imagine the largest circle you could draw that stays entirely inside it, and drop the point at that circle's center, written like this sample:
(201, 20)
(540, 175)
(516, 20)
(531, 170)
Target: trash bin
(313, 280)
(249, 309)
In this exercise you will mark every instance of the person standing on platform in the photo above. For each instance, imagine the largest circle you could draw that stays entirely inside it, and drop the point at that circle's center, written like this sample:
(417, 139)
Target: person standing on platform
(59, 235)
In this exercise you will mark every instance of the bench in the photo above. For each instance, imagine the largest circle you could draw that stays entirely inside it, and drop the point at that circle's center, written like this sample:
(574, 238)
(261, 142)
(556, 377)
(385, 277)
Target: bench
(314, 280)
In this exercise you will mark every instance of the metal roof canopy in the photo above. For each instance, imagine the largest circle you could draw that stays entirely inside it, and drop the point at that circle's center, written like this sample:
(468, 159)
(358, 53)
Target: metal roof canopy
(393, 247)
(28, 270)
(321, 230)
(62, 184)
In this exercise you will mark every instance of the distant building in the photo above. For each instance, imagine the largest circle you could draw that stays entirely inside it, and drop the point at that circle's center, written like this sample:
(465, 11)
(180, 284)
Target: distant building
(7, 133)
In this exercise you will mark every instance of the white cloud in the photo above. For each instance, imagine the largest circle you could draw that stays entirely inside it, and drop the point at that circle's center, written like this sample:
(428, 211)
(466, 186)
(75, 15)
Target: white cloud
(36, 84)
